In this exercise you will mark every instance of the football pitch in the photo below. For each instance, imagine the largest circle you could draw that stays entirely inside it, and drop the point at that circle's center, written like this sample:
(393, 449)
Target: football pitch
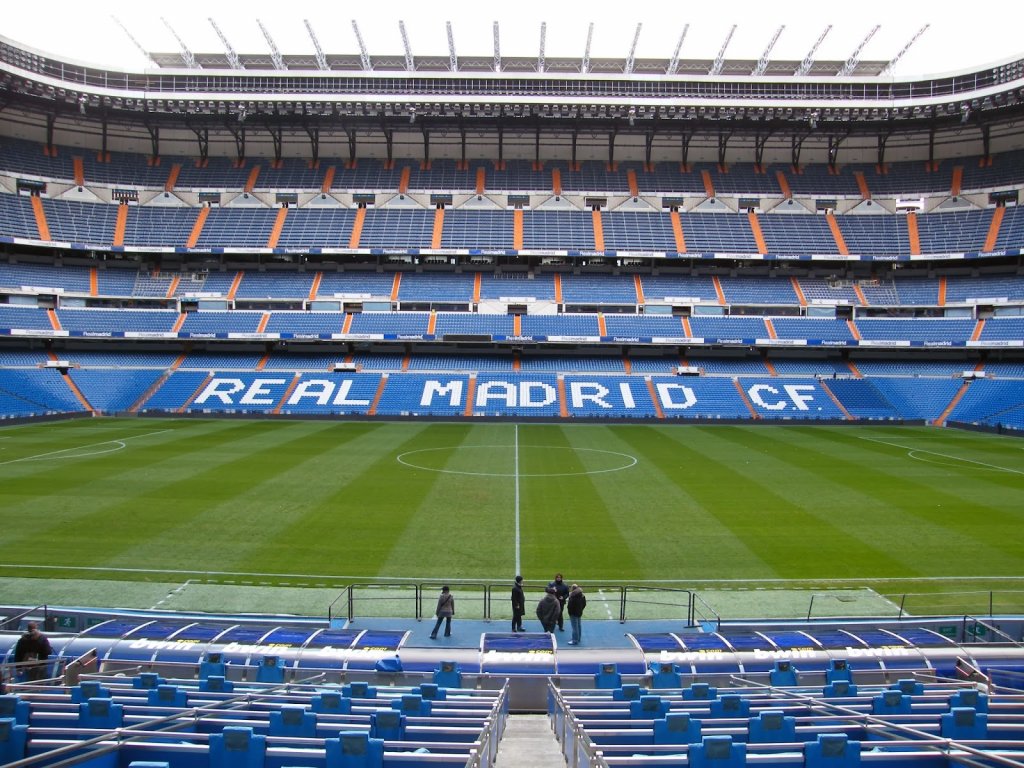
(933, 514)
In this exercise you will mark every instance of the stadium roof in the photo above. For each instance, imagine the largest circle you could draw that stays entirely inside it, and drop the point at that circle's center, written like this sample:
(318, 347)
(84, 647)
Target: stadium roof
(528, 36)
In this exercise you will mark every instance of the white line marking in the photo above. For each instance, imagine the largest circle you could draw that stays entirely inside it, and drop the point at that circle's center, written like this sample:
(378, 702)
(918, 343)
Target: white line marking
(607, 608)
(858, 581)
(518, 569)
(173, 593)
(912, 451)
(120, 442)
(631, 461)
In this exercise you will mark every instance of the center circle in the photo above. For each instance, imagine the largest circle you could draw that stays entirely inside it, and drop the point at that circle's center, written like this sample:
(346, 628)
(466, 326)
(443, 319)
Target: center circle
(431, 459)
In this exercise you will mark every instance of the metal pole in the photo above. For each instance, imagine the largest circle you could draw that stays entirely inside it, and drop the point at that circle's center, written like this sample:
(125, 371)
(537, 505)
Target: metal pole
(351, 607)
(810, 608)
(622, 604)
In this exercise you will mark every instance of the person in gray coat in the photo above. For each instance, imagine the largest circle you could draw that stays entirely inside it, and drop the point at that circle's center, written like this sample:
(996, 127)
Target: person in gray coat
(444, 612)
(549, 609)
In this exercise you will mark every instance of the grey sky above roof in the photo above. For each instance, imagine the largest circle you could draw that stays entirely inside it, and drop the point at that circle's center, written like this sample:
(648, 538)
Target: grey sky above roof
(956, 39)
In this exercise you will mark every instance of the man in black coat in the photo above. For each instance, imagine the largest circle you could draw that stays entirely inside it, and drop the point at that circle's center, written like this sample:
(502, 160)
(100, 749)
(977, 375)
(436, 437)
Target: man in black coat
(549, 611)
(33, 646)
(562, 593)
(518, 605)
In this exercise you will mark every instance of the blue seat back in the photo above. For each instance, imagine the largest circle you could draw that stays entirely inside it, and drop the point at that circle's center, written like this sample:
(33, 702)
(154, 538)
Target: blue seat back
(969, 697)
(648, 708)
(211, 665)
(718, 752)
(100, 713)
(677, 728)
(665, 675)
(783, 673)
(354, 749)
(359, 690)
(730, 705)
(237, 747)
(832, 750)
(270, 670)
(147, 680)
(433, 692)
(771, 726)
(838, 669)
(88, 689)
(412, 704)
(630, 692)
(964, 723)
(700, 692)
(167, 696)
(331, 703)
(387, 724)
(293, 720)
(13, 739)
(447, 675)
(890, 702)
(216, 683)
(909, 686)
(608, 677)
(13, 707)
(840, 689)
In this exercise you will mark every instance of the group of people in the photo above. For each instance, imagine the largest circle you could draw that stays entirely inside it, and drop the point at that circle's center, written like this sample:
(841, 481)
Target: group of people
(559, 599)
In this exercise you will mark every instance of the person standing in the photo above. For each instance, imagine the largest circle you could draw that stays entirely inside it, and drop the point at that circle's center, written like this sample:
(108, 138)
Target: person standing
(574, 605)
(33, 646)
(549, 610)
(562, 593)
(444, 612)
(518, 605)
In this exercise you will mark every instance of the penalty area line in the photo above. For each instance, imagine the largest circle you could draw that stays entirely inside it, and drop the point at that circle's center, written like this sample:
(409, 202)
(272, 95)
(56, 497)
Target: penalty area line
(911, 451)
(115, 441)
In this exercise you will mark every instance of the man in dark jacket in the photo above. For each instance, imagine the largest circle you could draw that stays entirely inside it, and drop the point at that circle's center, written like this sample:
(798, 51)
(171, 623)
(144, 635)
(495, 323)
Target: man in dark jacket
(518, 605)
(574, 606)
(549, 611)
(33, 646)
(562, 593)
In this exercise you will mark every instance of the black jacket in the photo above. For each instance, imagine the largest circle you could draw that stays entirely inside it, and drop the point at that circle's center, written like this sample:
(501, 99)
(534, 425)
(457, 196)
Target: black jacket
(576, 603)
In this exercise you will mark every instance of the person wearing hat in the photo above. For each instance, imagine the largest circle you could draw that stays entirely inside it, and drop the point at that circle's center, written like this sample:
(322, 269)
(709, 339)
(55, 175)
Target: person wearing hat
(518, 605)
(444, 612)
(574, 606)
(549, 610)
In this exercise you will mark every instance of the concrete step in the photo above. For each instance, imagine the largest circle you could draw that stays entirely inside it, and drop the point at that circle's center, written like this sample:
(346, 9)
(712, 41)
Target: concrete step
(529, 740)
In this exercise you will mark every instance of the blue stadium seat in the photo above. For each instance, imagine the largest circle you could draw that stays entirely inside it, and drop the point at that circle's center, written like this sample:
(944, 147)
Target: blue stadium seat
(237, 747)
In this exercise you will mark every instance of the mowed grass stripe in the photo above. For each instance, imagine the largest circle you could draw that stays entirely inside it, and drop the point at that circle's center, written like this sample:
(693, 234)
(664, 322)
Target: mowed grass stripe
(351, 528)
(943, 513)
(733, 502)
(463, 525)
(161, 490)
(796, 504)
(241, 507)
(567, 524)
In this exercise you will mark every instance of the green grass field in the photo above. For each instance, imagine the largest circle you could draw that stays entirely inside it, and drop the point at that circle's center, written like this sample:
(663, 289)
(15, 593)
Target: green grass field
(310, 504)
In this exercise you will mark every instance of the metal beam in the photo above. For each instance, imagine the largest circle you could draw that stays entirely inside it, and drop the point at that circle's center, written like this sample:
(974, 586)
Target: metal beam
(585, 67)
(131, 37)
(716, 68)
(453, 60)
(543, 35)
(631, 59)
(364, 57)
(892, 62)
(233, 59)
(762, 63)
(497, 49)
(854, 60)
(673, 63)
(321, 60)
(410, 63)
(808, 62)
(186, 54)
(275, 54)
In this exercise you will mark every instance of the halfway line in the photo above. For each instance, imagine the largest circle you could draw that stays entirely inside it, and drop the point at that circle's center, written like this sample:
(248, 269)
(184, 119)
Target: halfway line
(516, 473)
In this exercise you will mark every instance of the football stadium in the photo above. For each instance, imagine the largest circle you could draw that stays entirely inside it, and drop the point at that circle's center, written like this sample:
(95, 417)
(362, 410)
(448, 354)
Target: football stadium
(296, 349)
